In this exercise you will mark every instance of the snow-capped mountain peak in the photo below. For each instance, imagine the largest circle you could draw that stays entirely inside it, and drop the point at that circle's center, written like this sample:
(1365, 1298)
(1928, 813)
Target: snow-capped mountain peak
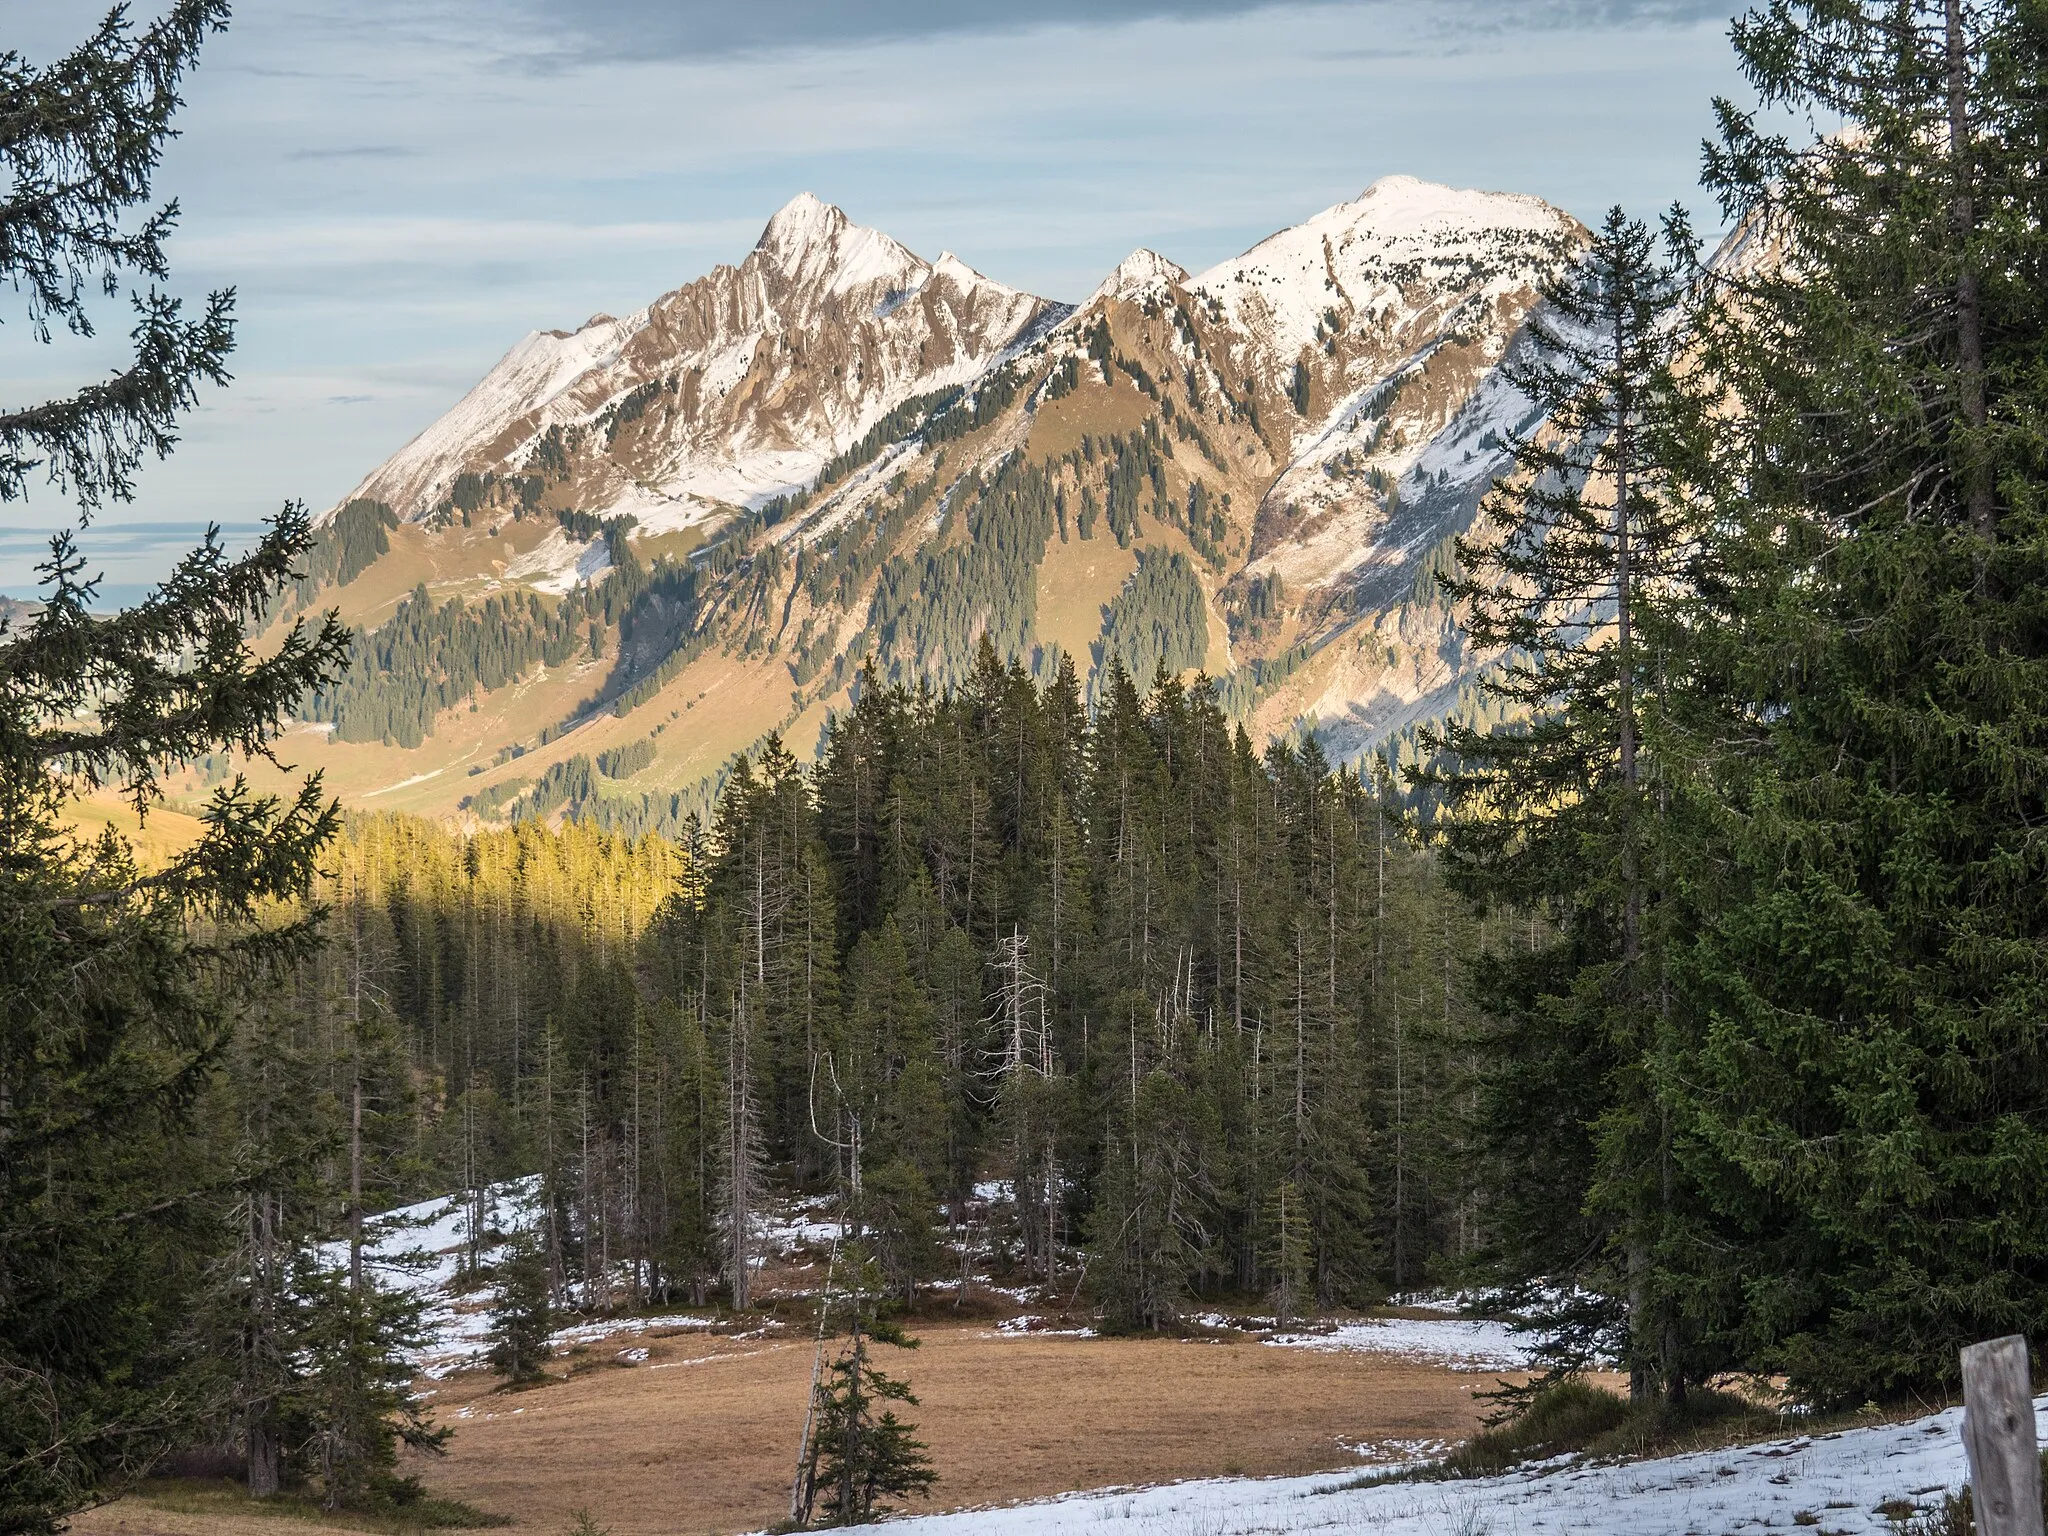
(1398, 254)
(962, 275)
(734, 388)
(1138, 275)
(815, 245)
(805, 220)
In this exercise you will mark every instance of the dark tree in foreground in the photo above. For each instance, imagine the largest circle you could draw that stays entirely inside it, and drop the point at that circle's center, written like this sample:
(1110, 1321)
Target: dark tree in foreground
(118, 983)
(1864, 1086)
(860, 1455)
(81, 141)
(354, 1402)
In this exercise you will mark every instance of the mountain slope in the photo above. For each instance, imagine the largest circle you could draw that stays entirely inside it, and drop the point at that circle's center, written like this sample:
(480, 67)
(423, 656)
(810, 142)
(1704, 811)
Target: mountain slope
(636, 548)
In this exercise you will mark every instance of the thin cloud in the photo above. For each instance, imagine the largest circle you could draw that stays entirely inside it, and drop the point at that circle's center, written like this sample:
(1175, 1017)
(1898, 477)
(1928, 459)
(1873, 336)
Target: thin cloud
(357, 152)
(714, 28)
(707, 29)
(425, 240)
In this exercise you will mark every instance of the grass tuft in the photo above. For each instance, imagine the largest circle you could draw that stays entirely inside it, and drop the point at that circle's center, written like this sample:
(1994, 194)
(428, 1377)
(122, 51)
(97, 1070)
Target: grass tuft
(1575, 1417)
(225, 1497)
(1566, 1416)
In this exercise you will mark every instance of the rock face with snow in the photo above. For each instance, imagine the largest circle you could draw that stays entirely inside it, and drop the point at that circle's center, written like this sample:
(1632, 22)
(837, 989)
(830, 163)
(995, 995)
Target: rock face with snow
(1369, 339)
(733, 388)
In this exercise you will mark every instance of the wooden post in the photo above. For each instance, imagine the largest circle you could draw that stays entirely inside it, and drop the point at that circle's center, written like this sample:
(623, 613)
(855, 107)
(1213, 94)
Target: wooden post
(1998, 1438)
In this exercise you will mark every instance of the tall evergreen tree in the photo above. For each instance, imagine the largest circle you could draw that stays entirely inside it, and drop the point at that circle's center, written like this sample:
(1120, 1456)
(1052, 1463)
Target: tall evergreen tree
(1569, 582)
(1863, 1084)
(522, 1312)
(118, 984)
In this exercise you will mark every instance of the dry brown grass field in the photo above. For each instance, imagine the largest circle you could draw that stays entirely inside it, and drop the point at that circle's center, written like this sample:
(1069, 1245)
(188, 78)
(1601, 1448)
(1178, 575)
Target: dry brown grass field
(701, 1436)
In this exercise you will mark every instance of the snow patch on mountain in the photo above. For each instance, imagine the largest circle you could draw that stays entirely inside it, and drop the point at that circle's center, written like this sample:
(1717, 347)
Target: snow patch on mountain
(559, 564)
(658, 511)
(526, 379)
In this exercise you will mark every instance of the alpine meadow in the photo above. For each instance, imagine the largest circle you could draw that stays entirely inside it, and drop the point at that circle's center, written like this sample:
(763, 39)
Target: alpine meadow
(1398, 885)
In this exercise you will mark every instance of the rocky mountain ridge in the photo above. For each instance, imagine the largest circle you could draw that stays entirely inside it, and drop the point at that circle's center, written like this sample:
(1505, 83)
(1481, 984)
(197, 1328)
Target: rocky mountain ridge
(706, 517)
(763, 372)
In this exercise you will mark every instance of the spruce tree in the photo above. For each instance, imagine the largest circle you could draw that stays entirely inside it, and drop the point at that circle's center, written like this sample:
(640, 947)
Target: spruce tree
(860, 1455)
(522, 1312)
(114, 1007)
(353, 1399)
(1864, 1082)
(1569, 582)
(1288, 1255)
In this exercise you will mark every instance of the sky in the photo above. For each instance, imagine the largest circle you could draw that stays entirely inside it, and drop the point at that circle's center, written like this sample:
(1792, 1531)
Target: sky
(398, 190)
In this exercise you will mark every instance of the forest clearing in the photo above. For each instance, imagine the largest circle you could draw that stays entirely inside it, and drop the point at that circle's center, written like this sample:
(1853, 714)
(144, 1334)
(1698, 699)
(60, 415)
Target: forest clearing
(700, 1436)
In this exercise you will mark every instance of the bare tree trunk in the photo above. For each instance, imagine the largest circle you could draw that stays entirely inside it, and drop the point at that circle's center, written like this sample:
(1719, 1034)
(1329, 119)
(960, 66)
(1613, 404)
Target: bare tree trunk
(264, 1477)
(1969, 313)
(1632, 901)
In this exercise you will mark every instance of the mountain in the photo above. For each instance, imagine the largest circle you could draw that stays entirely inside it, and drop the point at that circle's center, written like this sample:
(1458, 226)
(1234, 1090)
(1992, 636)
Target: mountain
(739, 385)
(634, 549)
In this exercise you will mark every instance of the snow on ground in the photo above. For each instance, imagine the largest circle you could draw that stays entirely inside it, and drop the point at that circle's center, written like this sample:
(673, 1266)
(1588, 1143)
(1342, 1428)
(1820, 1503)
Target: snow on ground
(1463, 1343)
(1037, 1328)
(805, 1225)
(1450, 1302)
(620, 1327)
(1836, 1481)
(421, 1248)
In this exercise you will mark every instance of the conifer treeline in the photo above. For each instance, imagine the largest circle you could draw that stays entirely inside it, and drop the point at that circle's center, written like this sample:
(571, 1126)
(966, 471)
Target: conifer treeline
(1766, 589)
(1196, 1005)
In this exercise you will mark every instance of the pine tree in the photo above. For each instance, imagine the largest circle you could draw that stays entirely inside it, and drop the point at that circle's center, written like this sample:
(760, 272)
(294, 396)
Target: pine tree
(113, 1012)
(1288, 1254)
(354, 1394)
(897, 1216)
(267, 1108)
(1862, 1081)
(522, 1313)
(1030, 1094)
(860, 1454)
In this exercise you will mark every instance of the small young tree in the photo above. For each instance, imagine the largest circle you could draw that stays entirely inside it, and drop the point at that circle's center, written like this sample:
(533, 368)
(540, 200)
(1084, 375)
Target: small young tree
(900, 1217)
(522, 1317)
(354, 1403)
(860, 1454)
(1290, 1253)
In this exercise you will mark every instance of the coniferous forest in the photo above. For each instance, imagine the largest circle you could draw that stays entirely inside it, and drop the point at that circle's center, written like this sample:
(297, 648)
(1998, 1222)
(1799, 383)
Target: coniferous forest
(1144, 972)
(1686, 997)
